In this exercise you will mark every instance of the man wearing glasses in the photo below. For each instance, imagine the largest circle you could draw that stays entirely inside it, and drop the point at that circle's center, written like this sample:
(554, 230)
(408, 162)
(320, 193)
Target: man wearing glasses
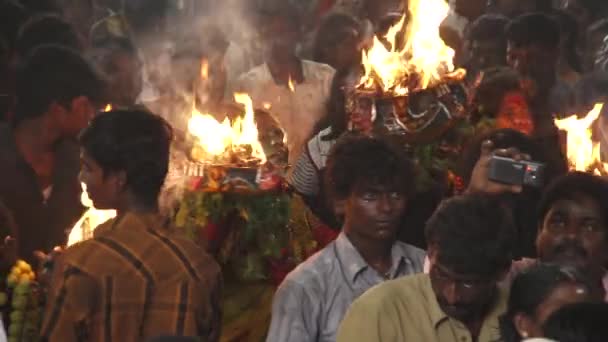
(470, 250)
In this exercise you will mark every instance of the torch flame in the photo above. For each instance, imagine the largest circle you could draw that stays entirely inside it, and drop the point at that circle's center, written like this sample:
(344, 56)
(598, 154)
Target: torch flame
(204, 69)
(291, 85)
(423, 56)
(583, 153)
(91, 219)
(217, 138)
(107, 108)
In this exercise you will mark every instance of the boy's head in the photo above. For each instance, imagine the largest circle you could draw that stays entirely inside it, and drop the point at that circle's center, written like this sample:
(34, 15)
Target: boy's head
(125, 156)
(369, 184)
(533, 46)
(487, 42)
(59, 84)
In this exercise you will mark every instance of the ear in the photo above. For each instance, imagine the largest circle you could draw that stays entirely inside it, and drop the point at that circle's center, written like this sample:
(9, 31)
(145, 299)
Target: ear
(121, 180)
(524, 325)
(117, 181)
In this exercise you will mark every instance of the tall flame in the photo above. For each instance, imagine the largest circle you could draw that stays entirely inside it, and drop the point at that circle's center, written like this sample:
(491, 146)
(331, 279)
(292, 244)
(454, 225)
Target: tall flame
(83, 229)
(583, 153)
(217, 138)
(291, 85)
(423, 60)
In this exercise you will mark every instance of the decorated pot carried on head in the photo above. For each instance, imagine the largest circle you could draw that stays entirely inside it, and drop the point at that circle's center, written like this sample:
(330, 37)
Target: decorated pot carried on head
(409, 89)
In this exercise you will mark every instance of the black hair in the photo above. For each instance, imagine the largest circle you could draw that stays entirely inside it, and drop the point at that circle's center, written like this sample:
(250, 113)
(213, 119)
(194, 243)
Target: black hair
(488, 27)
(46, 29)
(143, 14)
(331, 32)
(569, 33)
(473, 235)
(534, 29)
(54, 74)
(358, 161)
(580, 322)
(572, 185)
(278, 9)
(12, 17)
(530, 289)
(134, 141)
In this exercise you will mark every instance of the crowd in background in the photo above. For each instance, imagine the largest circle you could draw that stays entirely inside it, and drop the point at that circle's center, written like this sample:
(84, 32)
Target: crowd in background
(480, 261)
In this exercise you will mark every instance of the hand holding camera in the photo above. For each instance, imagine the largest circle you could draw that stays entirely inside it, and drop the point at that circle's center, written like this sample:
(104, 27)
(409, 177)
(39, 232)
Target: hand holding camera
(504, 170)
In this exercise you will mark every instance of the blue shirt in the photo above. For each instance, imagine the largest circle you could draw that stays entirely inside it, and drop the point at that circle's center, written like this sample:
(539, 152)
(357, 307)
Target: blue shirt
(313, 299)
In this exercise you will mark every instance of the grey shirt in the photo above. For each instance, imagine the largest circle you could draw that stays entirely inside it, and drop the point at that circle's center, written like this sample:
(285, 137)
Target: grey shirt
(313, 299)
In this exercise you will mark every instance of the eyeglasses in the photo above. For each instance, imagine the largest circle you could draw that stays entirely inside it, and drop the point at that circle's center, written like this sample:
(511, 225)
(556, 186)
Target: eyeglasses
(444, 276)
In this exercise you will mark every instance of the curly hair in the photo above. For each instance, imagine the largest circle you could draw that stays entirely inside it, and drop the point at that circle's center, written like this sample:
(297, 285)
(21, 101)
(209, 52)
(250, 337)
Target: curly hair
(473, 235)
(358, 161)
(134, 141)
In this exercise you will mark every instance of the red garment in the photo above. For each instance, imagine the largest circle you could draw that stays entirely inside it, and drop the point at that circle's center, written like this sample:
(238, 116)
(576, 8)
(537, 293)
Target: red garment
(514, 113)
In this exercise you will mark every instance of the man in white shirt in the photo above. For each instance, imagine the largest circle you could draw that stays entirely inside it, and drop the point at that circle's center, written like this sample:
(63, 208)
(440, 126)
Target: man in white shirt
(295, 91)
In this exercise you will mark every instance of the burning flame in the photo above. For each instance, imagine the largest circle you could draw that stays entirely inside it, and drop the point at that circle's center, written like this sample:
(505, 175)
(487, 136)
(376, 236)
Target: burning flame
(424, 59)
(204, 69)
(583, 153)
(291, 85)
(83, 229)
(217, 138)
(107, 108)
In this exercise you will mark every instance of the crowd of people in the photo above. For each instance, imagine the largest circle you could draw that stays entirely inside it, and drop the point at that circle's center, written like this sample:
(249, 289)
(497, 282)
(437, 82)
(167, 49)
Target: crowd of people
(95, 92)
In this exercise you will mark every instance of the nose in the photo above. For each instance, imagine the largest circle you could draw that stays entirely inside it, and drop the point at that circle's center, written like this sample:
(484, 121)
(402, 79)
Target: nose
(451, 293)
(572, 231)
(385, 204)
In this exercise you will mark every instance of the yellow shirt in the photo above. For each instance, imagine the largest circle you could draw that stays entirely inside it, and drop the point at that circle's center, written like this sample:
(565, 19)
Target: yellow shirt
(405, 310)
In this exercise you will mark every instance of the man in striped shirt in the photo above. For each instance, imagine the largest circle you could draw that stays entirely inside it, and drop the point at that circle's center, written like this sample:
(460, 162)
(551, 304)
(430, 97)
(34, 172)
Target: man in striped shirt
(137, 278)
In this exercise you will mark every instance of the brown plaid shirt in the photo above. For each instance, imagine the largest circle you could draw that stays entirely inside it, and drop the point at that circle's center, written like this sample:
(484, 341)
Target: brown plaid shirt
(134, 280)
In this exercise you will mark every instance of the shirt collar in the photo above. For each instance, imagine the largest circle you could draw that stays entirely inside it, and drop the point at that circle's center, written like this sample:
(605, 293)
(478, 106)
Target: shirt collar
(353, 263)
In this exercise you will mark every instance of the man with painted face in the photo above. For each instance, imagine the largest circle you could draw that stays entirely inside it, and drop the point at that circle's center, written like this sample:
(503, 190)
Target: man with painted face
(137, 278)
(471, 242)
(573, 226)
(295, 90)
(370, 185)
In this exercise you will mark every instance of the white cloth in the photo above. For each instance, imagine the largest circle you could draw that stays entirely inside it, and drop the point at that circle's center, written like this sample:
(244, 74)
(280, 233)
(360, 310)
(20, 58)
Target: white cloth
(2, 331)
(297, 112)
